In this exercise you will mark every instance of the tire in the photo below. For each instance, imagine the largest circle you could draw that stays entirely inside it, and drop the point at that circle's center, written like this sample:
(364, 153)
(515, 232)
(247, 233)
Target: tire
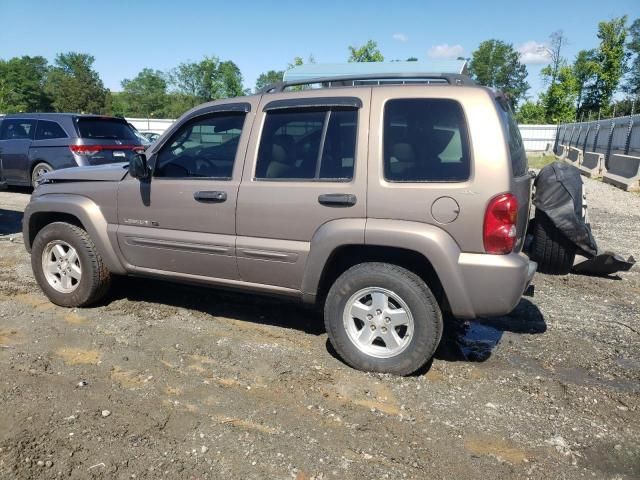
(551, 249)
(405, 290)
(94, 278)
(38, 170)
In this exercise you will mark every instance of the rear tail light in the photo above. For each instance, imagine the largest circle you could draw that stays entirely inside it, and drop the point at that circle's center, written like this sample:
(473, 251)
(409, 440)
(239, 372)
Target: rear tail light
(500, 220)
(90, 150)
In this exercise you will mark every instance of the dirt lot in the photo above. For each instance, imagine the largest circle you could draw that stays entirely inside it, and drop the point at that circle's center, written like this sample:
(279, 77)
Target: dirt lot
(166, 381)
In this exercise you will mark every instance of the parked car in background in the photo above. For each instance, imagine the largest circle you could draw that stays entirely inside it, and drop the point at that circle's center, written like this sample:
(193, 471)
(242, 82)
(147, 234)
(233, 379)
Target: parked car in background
(151, 136)
(141, 136)
(32, 144)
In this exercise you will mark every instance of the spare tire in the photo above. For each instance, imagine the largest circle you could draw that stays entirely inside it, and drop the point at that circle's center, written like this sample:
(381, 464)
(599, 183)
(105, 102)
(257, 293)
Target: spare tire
(551, 249)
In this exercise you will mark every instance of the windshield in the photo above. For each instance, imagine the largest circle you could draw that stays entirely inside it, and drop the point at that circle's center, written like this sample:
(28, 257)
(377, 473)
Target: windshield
(105, 128)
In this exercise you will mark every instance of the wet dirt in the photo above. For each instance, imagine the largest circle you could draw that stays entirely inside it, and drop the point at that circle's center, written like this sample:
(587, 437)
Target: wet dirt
(206, 384)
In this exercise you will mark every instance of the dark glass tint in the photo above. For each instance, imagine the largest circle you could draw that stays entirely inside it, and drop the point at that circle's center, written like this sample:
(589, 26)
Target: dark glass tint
(105, 129)
(17, 129)
(425, 140)
(519, 161)
(317, 144)
(49, 130)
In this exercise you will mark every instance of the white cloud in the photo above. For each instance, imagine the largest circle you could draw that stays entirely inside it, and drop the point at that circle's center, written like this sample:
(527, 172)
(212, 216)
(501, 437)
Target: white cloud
(533, 53)
(401, 37)
(445, 51)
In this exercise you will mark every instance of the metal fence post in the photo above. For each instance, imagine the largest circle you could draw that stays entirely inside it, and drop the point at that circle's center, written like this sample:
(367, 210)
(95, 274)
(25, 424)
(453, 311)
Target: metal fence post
(557, 139)
(595, 137)
(627, 142)
(586, 136)
(609, 142)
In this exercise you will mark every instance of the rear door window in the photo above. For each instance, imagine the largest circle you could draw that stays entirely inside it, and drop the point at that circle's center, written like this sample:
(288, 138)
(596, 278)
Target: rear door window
(49, 130)
(519, 161)
(425, 140)
(105, 129)
(17, 129)
(308, 144)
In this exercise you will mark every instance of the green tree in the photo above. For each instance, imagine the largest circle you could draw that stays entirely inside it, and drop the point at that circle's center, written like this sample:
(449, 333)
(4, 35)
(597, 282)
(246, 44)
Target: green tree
(230, 79)
(74, 85)
(412, 59)
(115, 105)
(209, 79)
(497, 64)
(559, 101)
(557, 40)
(531, 113)
(584, 71)
(177, 104)
(366, 53)
(145, 95)
(610, 63)
(632, 85)
(267, 78)
(22, 81)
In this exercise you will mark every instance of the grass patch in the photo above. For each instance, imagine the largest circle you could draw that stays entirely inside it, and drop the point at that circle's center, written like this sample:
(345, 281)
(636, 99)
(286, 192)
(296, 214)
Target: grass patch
(539, 161)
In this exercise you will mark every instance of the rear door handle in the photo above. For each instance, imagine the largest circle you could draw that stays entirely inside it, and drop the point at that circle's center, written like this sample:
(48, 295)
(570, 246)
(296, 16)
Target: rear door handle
(337, 199)
(211, 196)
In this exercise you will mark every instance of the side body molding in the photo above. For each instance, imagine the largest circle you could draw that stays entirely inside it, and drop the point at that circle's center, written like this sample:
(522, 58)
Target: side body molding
(89, 214)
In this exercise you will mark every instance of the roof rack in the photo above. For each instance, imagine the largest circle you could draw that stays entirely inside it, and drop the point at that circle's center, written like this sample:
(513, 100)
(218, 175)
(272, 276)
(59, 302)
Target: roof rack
(402, 78)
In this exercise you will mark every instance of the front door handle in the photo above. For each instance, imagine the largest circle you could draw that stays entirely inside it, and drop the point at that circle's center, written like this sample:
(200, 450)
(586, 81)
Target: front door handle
(337, 199)
(211, 196)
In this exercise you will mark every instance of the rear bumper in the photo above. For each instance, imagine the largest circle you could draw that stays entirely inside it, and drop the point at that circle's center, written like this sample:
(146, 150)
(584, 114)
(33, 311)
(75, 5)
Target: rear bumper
(492, 284)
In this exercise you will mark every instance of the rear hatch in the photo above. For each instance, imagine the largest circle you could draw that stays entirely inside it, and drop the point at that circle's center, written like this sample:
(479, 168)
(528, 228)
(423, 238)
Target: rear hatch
(521, 181)
(105, 140)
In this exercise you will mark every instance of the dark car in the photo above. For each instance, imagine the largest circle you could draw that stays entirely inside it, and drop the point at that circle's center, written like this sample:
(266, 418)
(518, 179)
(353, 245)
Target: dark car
(32, 144)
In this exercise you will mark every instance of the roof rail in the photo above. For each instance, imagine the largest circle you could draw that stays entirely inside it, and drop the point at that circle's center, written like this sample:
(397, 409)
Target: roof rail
(374, 79)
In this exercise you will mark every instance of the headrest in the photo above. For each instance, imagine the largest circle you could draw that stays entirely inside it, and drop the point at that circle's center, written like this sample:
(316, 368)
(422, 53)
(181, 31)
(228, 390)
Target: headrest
(282, 149)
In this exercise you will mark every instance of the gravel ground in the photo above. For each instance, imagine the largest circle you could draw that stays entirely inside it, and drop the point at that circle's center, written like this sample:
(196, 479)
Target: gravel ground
(166, 381)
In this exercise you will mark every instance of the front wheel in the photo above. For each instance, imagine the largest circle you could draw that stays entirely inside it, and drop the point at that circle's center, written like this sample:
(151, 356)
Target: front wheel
(67, 266)
(383, 318)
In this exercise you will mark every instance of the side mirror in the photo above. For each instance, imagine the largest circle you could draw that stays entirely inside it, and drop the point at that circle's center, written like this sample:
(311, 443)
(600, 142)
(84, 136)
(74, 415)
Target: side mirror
(138, 167)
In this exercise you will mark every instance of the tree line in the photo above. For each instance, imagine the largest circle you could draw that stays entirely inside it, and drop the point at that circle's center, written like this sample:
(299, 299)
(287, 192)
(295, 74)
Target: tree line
(584, 88)
(578, 89)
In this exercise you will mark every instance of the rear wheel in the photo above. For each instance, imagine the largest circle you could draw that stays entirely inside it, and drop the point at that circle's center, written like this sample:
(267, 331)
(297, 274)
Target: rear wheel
(553, 252)
(383, 318)
(38, 171)
(67, 266)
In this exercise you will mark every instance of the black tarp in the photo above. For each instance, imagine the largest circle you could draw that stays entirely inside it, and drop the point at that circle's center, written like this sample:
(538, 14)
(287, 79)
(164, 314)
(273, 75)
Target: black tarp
(558, 193)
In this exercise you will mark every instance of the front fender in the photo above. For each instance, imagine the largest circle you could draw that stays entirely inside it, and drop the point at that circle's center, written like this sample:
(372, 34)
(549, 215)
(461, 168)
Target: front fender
(86, 211)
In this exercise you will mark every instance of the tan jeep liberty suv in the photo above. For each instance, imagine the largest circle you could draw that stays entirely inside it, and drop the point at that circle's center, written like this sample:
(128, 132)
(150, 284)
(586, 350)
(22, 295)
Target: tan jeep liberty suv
(386, 200)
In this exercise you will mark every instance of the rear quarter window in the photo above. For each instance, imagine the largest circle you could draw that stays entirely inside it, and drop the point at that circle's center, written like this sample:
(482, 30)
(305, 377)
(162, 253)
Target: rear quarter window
(425, 140)
(519, 161)
(105, 129)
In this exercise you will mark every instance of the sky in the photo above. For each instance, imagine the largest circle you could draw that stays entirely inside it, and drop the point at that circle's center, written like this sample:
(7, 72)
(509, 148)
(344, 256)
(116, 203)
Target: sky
(127, 36)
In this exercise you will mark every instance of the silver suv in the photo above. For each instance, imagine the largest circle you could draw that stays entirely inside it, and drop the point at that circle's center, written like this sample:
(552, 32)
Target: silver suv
(388, 205)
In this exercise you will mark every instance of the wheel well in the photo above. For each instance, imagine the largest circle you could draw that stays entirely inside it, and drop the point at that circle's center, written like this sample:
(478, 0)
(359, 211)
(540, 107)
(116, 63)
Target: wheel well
(38, 162)
(347, 256)
(39, 220)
